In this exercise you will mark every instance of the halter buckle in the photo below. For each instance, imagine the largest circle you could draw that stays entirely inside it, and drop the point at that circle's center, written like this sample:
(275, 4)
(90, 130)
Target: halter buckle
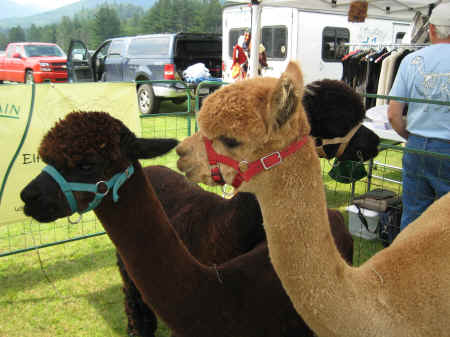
(271, 160)
(243, 165)
(97, 188)
(226, 193)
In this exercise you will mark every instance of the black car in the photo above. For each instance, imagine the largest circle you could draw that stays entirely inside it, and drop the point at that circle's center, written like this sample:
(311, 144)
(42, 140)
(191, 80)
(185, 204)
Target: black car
(147, 57)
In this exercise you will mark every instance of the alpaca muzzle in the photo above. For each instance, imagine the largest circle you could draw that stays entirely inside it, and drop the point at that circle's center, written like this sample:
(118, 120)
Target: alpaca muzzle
(246, 170)
(343, 141)
(68, 187)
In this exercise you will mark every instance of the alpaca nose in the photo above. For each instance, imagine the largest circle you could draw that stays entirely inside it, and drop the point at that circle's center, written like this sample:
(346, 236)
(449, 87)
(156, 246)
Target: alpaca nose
(182, 149)
(29, 194)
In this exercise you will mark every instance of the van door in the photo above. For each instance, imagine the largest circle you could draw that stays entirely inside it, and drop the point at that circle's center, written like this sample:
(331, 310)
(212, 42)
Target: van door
(114, 62)
(78, 64)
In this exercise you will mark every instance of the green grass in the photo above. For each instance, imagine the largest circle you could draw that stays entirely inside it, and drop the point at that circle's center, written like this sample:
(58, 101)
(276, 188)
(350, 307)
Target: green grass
(82, 298)
(77, 289)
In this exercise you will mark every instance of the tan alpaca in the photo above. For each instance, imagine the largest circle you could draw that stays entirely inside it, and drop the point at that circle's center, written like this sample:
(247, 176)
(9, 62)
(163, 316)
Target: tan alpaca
(404, 290)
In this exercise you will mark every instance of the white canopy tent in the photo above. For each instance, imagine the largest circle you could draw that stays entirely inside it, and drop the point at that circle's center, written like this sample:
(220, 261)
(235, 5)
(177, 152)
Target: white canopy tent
(403, 10)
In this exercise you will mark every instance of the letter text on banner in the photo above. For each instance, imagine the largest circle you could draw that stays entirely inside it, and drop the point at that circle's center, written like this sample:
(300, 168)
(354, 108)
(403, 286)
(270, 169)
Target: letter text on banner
(23, 123)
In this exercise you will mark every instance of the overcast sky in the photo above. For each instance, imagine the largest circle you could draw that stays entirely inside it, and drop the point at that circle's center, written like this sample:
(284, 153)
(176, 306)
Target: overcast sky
(46, 4)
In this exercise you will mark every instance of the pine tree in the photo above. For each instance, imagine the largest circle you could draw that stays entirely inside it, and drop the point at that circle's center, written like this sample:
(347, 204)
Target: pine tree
(3, 41)
(105, 25)
(16, 34)
(212, 17)
(165, 16)
(65, 29)
(34, 34)
(49, 33)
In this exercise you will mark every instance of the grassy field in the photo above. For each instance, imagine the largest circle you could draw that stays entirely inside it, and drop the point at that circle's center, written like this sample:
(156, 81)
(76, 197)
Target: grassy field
(74, 289)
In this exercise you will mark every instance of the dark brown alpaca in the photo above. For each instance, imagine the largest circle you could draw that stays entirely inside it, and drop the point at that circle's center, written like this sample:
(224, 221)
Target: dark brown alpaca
(212, 228)
(195, 300)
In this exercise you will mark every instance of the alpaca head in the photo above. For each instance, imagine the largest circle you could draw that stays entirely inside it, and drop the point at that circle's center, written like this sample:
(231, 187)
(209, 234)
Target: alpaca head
(85, 149)
(334, 109)
(246, 121)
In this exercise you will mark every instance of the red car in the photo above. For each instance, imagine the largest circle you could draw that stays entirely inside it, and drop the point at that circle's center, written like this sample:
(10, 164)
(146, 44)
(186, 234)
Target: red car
(33, 62)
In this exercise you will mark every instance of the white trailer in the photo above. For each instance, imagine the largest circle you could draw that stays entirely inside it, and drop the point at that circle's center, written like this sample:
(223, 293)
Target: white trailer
(314, 32)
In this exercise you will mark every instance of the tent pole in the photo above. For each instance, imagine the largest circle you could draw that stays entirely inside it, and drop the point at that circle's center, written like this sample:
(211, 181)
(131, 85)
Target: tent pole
(256, 38)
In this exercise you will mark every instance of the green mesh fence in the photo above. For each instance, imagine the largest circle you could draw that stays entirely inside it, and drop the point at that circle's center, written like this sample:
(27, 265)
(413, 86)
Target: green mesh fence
(384, 172)
(29, 235)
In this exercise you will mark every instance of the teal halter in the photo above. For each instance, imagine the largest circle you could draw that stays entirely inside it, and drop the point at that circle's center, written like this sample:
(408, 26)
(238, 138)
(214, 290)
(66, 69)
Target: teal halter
(115, 183)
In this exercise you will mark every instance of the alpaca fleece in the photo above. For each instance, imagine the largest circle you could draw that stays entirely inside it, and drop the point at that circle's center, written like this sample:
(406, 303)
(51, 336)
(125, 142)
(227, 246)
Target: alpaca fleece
(402, 291)
(214, 230)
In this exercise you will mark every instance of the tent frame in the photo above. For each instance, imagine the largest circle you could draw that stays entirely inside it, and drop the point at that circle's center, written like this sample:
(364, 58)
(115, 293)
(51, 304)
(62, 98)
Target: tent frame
(402, 10)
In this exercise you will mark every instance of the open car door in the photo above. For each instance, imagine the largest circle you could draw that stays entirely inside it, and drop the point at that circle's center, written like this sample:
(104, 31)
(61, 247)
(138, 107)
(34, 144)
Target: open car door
(79, 63)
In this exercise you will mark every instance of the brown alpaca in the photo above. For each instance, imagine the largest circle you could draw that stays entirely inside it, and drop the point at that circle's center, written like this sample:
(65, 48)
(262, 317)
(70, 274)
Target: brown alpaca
(404, 290)
(98, 151)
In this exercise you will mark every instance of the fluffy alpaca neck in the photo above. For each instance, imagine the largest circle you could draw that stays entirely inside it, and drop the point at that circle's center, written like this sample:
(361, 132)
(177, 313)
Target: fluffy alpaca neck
(301, 246)
(153, 254)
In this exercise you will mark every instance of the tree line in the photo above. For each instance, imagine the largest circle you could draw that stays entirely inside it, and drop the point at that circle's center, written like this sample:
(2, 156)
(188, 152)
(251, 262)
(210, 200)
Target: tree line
(112, 20)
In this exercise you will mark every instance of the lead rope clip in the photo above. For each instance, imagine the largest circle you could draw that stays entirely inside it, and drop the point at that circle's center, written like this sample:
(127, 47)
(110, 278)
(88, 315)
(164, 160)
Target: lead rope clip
(227, 191)
(80, 216)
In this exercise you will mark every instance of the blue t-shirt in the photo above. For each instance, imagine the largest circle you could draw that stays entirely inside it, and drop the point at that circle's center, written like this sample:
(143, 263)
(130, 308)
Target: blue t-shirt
(425, 74)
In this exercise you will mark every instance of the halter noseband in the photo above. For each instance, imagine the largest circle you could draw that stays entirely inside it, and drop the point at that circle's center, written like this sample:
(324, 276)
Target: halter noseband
(343, 141)
(246, 170)
(115, 183)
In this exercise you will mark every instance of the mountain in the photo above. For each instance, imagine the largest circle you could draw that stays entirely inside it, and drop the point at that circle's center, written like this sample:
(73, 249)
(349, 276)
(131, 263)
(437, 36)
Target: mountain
(55, 15)
(12, 9)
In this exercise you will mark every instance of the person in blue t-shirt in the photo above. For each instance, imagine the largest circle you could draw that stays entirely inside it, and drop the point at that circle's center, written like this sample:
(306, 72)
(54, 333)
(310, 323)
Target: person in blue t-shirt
(425, 74)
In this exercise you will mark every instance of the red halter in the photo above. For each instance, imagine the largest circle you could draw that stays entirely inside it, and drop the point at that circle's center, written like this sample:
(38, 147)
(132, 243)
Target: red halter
(246, 170)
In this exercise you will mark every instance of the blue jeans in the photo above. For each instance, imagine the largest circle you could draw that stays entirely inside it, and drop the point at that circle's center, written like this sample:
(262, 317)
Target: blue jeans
(425, 177)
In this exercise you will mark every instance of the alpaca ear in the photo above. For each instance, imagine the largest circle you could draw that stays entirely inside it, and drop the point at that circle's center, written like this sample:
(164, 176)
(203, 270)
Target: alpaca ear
(287, 94)
(146, 148)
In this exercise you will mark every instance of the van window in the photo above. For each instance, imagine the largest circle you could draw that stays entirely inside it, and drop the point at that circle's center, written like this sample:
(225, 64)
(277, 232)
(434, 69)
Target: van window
(150, 46)
(234, 36)
(103, 51)
(199, 47)
(116, 47)
(274, 39)
(333, 39)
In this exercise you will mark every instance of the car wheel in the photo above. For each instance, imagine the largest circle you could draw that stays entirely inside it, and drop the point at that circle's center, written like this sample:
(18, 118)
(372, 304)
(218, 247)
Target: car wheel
(148, 102)
(29, 78)
(179, 100)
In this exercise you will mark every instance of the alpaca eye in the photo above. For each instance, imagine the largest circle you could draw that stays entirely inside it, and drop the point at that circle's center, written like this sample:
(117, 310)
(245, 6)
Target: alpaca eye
(229, 142)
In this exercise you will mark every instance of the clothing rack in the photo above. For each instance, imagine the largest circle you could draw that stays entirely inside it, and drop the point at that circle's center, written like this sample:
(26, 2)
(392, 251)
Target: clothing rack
(370, 75)
(389, 45)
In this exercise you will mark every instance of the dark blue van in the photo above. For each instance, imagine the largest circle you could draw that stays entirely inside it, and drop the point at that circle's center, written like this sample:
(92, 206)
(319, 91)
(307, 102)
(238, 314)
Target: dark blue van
(147, 57)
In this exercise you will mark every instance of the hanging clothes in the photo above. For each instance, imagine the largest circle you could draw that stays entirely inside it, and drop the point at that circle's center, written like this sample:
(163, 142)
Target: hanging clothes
(373, 71)
(374, 75)
(354, 68)
(388, 72)
(386, 80)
